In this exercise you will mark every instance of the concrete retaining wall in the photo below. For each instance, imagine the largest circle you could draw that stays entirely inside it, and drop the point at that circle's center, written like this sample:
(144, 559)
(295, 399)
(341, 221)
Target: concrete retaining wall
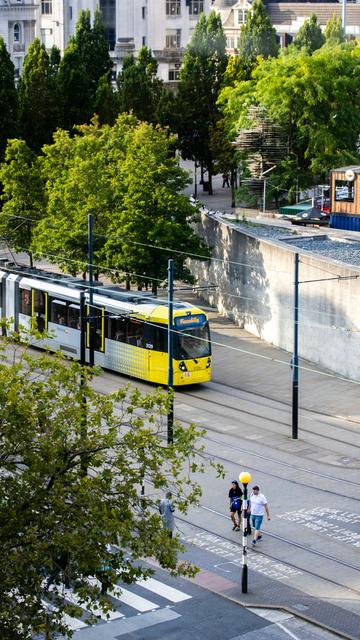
(255, 288)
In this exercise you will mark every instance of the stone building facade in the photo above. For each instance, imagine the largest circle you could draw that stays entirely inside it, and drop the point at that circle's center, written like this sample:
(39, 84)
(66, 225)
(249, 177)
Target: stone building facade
(166, 26)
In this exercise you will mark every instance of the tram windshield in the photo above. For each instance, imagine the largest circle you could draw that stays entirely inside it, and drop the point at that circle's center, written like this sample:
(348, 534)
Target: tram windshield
(192, 341)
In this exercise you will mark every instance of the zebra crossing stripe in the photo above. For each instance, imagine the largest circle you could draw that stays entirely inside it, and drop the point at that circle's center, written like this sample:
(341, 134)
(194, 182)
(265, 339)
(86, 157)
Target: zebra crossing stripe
(94, 609)
(132, 599)
(73, 623)
(163, 590)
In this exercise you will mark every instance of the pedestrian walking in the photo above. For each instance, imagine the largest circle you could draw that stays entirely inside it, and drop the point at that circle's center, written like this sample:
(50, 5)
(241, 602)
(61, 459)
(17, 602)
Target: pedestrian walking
(258, 506)
(235, 496)
(166, 510)
(226, 182)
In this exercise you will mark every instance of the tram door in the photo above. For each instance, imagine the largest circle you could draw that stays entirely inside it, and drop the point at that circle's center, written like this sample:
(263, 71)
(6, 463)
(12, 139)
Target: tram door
(39, 309)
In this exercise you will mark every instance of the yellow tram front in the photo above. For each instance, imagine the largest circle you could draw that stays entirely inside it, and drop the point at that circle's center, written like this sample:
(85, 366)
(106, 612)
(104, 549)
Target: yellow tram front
(191, 347)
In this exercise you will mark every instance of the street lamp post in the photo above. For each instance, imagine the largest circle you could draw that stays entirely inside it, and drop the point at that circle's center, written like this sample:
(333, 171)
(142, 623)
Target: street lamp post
(245, 478)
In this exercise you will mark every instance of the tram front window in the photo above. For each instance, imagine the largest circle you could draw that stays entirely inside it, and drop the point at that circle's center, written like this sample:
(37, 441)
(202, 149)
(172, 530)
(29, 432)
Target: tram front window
(195, 343)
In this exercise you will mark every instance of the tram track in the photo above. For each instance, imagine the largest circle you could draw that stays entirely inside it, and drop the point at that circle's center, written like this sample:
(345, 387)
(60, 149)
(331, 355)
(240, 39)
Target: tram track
(280, 559)
(284, 464)
(287, 404)
(269, 419)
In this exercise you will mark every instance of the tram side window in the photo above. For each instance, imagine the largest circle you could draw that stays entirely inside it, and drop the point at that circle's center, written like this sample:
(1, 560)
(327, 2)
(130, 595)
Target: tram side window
(98, 343)
(25, 302)
(117, 329)
(74, 316)
(156, 336)
(135, 332)
(58, 312)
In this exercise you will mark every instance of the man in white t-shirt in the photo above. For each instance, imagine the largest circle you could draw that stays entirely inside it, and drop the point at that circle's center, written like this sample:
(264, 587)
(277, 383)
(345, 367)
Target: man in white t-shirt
(259, 506)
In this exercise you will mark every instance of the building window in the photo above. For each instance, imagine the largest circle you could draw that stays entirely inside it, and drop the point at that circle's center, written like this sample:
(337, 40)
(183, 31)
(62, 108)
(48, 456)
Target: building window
(173, 38)
(46, 37)
(344, 191)
(143, 12)
(173, 7)
(108, 14)
(70, 13)
(46, 7)
(18, 62)
(196, 7)
(241, 15)
(174, 72)
(143, 41)
(17, 32)
(230, 42)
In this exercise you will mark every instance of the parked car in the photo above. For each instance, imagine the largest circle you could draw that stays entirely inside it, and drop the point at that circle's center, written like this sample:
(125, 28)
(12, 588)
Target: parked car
(310, 216)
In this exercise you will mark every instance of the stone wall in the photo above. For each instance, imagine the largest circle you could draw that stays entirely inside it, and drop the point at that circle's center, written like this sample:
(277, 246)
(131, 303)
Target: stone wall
(255, 288)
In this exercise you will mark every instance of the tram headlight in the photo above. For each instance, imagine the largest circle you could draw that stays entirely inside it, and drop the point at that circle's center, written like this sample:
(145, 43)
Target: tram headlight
(182, 366)
(208, 364)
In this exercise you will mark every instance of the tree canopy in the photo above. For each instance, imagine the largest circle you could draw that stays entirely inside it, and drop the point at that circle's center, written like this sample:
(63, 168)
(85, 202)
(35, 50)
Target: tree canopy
(126, 176)
(334, 32)
(38, 97)
(304, 94)
(84, 69)
(139, 88)
(72, 465)
(23, 195)
(257, 35)
(8, 98)
(310, 36)
(201, 79)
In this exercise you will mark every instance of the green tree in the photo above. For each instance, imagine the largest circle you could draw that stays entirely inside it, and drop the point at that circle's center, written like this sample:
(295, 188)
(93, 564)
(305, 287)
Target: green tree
(334, 32)
(74, 88)
(80, 175)
(54, 515)
(23, 195)
(304, 94)
(201, 79)
(84, 71)
(257, 35)
(38, 98)
(8, 98)
(93, 48)
(139, 88)
(310, 37)
(154, 212)
(106, 104)
(225, 153)
(127, 178)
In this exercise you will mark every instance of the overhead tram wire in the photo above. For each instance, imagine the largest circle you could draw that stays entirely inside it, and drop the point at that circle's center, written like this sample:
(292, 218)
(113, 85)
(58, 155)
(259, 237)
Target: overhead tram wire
(219, 344)
(185, 253)
(225, 293)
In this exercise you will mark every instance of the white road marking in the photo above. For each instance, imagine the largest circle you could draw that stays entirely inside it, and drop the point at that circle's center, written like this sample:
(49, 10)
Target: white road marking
(163, 590)
(132, 599)
(72, 623)
(289, 633)
(94, 609)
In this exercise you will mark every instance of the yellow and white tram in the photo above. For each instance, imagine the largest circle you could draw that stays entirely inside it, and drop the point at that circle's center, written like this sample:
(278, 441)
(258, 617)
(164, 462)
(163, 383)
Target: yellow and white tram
(130, 327)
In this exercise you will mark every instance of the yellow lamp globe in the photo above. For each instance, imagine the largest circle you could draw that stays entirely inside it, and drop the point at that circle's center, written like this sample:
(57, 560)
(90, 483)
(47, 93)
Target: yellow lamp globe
(245, 477)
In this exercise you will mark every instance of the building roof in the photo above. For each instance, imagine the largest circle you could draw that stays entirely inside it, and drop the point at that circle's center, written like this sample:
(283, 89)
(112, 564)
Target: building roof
(353, 167)
(287, 12)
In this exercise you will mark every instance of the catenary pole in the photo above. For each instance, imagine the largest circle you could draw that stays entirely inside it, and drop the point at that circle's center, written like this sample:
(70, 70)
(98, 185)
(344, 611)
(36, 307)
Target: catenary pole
(170, 421)
(295, 361)
(343, 15)
(91, 292)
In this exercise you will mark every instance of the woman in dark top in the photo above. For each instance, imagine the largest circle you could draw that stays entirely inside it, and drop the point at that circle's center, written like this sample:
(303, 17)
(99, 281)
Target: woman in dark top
(235, 495)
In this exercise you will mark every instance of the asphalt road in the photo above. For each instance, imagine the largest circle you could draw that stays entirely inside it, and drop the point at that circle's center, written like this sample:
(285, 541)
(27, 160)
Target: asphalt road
(308, 560)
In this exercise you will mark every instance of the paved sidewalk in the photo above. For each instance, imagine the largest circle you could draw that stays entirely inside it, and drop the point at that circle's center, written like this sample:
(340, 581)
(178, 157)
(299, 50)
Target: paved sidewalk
(327, 394)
